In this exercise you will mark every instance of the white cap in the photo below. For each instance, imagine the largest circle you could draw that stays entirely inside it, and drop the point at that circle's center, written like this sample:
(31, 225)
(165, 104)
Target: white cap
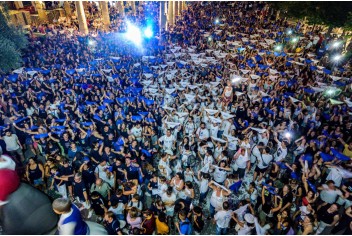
(249, 218)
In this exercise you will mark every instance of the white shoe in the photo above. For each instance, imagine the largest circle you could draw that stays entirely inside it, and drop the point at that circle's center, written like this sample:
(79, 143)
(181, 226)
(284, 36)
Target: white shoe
(90, 213)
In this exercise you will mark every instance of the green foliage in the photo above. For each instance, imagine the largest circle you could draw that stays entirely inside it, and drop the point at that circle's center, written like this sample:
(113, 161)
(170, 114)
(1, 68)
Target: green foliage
(12, 41)
(332, 14)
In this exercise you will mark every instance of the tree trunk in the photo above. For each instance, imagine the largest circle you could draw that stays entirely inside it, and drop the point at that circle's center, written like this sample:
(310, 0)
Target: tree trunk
(329, 30)
(105, 13)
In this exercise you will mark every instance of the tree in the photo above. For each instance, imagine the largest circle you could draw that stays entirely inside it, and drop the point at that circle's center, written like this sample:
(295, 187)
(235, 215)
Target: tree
(12, 41)
(331, 14)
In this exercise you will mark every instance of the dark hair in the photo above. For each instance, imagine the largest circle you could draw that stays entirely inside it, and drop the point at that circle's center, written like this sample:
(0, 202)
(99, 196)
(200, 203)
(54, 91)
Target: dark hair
(162, 217)
(197, 209)
(226, 205)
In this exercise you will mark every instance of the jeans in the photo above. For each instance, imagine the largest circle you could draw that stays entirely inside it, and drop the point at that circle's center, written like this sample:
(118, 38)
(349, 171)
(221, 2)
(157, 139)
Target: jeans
(220, 231)
(211, 210)
(203, 196)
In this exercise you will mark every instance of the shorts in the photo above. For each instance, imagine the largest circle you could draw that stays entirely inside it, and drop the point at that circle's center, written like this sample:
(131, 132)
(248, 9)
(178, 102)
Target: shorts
(258, 170)
(38, 182)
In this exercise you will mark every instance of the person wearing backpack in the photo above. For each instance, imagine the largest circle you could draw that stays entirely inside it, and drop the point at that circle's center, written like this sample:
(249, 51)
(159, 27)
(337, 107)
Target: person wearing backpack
(184, 225)
(263, 160)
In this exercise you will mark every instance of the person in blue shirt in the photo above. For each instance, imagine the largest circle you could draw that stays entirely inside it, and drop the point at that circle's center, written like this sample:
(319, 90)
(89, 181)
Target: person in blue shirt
(184, 226)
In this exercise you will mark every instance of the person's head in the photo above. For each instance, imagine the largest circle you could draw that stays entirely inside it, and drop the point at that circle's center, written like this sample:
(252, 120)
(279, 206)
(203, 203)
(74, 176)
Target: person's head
(284, 214)
(226, 206)
(308, 219)
(168, 133)
(99, 182)
(61, 206)
(331, 184)
(8, 133)
(78, 178)
(133, 212)
(109, 216)
(333, 208)
(169, 191)
(202, 125)
(182, 214)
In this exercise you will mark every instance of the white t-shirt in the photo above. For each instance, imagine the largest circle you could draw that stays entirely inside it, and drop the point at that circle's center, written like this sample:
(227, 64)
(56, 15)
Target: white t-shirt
(223, 218)
(171, 198)
(328, 195)
(266, 158)
(203, 133)
(214, 131)
(336, 176)
(11, 142)
(137, 132)
(280, 153)
(167, 141)
(220, 174)
(189, 128)
(241, 161)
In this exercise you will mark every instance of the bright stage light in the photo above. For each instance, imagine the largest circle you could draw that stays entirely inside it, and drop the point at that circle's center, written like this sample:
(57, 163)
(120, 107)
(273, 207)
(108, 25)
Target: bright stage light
(336, 44)
(217, 21)
(330, 92)
(148, 33)
(133, 34)
(336, 58)
(278, 48)
(289, 32)
(210, 38)
(288, 135)
(294, 40)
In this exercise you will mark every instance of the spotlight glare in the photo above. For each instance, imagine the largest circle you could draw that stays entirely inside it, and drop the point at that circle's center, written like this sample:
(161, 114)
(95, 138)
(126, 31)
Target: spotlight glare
(210, 38)
(294, 40)
(330, 92)
(278, 48)
(236, 79)
(91, 42)
(217, 21)
(148, 32)
(287, 135)
(289, 32)
(337, 58)
(336, 44)
(133, 34)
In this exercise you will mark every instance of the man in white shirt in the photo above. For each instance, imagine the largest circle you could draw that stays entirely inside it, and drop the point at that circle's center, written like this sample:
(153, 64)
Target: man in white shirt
(137, 132)
(329, 192)
(202, 133)
(189, 127)
(281, 152)
(13, 145)
(169, 199)
(263, 160)
(222, 219)
(167, 142)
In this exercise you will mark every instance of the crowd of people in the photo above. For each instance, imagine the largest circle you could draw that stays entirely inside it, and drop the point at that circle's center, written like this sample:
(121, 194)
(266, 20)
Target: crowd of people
(232, 118)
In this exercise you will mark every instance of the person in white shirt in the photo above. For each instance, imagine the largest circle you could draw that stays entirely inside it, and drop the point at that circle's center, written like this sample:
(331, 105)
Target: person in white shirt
(246, 227)
(263, 160)
(222, 219)
(329, 192)
(202, 181)
(189, 127)
(281, 151)
(214, 128)
(207, 161)
(202, 132)
(13, 145)
(137, 132)
(169, 199)
(241, 163)
(167, 142)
